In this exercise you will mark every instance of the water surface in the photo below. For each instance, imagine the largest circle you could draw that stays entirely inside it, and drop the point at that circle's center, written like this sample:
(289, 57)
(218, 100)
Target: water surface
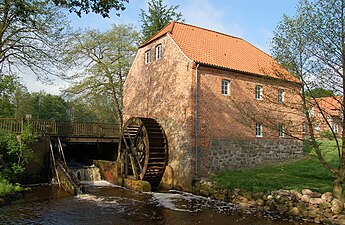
(104, 204)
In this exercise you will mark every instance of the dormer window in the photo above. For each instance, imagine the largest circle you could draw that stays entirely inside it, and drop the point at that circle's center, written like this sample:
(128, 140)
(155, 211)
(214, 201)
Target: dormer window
(147, 57)
(158, 52)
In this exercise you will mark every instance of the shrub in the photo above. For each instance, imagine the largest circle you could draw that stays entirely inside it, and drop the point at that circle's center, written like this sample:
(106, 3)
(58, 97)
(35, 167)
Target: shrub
(326, 134)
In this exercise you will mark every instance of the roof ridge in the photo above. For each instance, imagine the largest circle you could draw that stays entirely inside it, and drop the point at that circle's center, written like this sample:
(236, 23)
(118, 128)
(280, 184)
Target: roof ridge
(207, 29)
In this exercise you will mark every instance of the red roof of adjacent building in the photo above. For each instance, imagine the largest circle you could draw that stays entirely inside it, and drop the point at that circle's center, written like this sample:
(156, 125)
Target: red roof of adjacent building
(331, 105)
(222, 50)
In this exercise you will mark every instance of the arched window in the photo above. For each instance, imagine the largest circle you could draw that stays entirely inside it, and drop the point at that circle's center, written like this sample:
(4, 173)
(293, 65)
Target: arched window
(225, 87)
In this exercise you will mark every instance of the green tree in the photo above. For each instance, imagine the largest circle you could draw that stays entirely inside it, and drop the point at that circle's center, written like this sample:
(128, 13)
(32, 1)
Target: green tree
(311, 45)
(157, 16)
(96, 6)
(49, 107)
(320, 92)
(32, 34)
(103, 59)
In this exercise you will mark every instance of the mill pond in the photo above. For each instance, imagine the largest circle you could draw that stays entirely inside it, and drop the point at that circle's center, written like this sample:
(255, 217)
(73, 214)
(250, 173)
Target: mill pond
(104, 203)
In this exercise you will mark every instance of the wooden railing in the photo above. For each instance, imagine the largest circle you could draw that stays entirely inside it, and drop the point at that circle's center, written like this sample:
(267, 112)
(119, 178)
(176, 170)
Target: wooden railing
(58, 128)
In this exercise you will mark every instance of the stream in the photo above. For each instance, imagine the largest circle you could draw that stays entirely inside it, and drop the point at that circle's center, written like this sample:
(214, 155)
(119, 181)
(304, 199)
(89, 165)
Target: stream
(105, 203)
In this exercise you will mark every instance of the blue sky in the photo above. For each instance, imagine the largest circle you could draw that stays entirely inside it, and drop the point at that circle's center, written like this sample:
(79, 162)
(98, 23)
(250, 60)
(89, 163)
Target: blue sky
(252, 20)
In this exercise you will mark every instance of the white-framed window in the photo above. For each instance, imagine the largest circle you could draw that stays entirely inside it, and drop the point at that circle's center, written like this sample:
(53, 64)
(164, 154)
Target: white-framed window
(335, 128)
(148, 57)
(281, 130)
(258, 92)
(304, 128)
(319, 114)
(225, 87)
(281, 96)
(317, 127)
(258, 129)
(311, 113)
(158, 51)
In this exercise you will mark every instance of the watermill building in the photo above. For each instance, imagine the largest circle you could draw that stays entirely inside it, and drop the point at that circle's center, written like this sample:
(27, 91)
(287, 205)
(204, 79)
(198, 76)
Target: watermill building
(222, 102)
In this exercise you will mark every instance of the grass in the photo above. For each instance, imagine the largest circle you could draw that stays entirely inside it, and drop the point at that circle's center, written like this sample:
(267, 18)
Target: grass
(298, 175)
(6, 188)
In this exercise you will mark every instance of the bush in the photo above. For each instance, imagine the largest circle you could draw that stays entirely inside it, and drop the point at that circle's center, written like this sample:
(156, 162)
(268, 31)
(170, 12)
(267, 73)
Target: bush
(15, 153)
(7, 188)
(326, 134)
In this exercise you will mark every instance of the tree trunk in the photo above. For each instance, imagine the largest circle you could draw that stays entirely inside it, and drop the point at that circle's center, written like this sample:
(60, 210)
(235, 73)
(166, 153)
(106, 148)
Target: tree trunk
(338, 186)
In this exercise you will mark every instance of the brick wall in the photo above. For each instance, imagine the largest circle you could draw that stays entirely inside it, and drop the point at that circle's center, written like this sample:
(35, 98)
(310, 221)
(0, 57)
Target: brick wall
(162, 90)
(165, 90)
(229, 120)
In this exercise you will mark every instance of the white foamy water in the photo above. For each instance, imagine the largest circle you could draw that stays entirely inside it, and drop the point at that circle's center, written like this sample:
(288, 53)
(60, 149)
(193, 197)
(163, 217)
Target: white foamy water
(187, 202)
(100, 183)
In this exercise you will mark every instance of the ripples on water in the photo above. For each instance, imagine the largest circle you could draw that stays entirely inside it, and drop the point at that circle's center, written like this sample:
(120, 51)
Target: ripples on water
(108, 204)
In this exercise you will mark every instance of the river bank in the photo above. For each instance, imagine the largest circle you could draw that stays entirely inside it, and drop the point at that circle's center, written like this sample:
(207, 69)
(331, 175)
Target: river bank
(305, 205)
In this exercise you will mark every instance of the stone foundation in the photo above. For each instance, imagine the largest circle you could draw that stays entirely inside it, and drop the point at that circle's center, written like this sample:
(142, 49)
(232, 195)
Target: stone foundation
(236, 154)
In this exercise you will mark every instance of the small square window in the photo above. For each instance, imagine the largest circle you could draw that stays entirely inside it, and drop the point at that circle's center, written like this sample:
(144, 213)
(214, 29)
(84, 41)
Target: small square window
(158, 52)
(225, 87)
(147, 57)
(258, 92)
(281, 130)
(258, 129)
(280, 96)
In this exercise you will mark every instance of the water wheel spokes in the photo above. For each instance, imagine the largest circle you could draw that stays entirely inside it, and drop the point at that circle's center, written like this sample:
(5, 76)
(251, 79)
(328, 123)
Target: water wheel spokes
(143, 150)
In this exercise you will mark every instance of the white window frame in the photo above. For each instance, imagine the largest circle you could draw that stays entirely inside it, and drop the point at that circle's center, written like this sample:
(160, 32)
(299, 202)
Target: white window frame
(148, 57)
(304, 128)
(311, 113)
(159, 51)
(281, 130)
(281, 94)
(317, 127)
(225, 87)
(258, 130)
(258, 92)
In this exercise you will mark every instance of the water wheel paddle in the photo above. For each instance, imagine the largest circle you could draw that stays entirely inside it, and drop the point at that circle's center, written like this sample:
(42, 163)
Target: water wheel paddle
(143, 150)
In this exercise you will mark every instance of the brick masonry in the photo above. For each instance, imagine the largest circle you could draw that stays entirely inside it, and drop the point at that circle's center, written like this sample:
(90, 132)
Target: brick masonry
(165, 89)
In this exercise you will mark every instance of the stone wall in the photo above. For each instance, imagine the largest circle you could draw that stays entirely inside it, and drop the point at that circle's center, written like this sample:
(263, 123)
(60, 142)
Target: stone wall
(281, 204)
(235, 154)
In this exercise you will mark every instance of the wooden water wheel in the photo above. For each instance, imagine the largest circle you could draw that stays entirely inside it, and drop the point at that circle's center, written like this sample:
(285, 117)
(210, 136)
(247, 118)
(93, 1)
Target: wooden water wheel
(143, 150)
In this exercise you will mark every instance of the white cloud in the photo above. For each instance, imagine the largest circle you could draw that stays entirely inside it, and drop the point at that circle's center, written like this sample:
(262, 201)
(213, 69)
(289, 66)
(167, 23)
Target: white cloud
(204, 14)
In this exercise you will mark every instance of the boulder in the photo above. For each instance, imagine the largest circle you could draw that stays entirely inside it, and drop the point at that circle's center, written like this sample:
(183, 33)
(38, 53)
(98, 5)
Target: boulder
(294, 211)
(337, 206)
(305, 198)
(315, 201)
(327, 197)
(282, 209)
(307, 192)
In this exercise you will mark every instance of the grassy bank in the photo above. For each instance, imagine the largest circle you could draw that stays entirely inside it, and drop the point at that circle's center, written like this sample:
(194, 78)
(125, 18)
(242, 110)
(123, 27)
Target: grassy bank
(298, 175)
(7, 188)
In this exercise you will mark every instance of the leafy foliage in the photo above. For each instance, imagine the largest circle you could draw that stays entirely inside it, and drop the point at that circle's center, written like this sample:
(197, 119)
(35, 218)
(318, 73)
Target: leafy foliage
(103, 60)
(96, 6)
(15, 152)
(32, 36)
(157, 17)
(311, 46)
(319, 93)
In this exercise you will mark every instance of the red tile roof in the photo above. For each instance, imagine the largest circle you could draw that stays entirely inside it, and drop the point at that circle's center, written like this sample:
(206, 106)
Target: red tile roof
(332, 105)
(222, 50)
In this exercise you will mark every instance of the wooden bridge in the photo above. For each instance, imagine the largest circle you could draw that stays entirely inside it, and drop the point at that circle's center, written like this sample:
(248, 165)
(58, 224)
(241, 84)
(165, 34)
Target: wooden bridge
(70, 131)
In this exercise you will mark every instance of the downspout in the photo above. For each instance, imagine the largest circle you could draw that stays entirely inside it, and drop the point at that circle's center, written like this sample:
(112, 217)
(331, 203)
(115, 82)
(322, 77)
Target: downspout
(196, 120)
